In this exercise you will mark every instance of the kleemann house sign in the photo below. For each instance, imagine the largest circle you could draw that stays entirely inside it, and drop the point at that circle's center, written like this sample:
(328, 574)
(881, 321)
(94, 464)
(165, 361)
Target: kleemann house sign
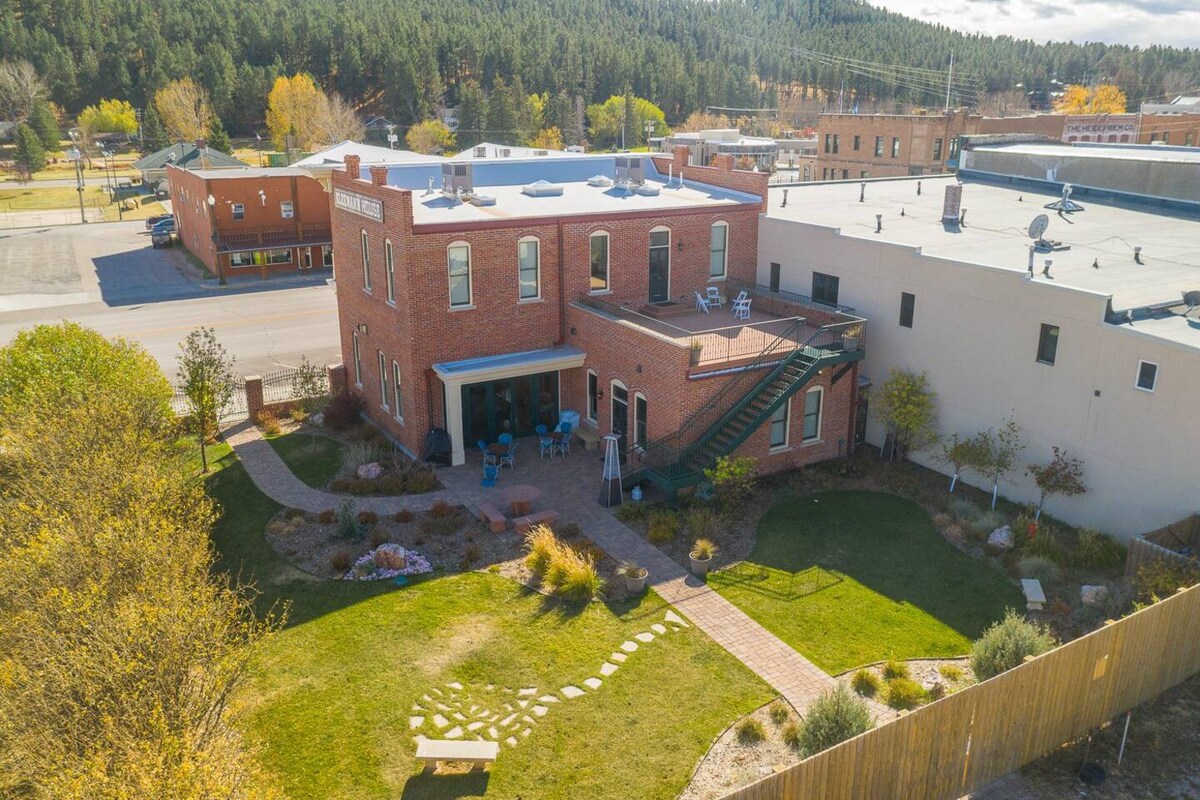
(358, 204)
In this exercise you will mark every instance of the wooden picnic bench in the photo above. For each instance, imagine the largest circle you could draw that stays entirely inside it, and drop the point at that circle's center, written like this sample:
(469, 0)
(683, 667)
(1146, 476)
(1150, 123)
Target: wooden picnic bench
(1035, 598)
(475, 752)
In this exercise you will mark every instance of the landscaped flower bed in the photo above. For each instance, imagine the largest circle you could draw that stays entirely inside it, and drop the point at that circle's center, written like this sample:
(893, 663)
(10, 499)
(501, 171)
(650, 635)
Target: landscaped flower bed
(387, 561)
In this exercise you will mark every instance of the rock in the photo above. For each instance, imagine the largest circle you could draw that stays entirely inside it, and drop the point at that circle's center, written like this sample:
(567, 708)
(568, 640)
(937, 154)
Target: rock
(369, 472)
(317, 419)
(1001, 540)
(1093, 595)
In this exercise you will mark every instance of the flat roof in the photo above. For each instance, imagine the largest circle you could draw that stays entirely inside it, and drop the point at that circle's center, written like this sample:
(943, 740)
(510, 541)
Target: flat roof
(232, 173)
(1096, 150)
(995, 234)
(369, 153)
(504, 179)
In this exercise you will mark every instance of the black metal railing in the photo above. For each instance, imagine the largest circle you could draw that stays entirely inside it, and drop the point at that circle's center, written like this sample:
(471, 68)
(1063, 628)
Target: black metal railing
(759, 290)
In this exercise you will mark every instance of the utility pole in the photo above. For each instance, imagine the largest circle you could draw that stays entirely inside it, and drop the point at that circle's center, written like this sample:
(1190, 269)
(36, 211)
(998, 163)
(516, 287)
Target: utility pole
(949, 79)
(77, 157)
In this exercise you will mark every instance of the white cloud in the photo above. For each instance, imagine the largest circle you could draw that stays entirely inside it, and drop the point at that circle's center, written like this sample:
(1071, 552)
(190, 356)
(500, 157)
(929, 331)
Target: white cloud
(1140, 22)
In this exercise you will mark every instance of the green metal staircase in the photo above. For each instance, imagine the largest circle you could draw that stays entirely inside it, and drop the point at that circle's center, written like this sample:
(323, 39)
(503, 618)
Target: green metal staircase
(747, 401)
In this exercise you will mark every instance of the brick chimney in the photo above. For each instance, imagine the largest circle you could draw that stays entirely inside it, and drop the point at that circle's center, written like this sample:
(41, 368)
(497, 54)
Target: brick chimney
(379, 175)
(723, 162)
(201, 144)
(353, 168)
(680, 155)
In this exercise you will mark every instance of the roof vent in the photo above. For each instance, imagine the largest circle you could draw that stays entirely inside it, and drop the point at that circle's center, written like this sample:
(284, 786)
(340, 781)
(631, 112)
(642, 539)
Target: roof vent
(646, 190)
(600, 180)
(1065, 204)
(482, 200)
(541, 152)
(542, 189)
(630, 170)
(456, 179)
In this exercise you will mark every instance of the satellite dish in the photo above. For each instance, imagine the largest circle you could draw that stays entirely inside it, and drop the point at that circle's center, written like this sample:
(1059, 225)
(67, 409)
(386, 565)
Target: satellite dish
(1038, 227)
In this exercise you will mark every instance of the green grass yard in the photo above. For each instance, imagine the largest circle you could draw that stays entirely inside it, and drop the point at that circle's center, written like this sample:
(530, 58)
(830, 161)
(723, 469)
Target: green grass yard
(850, 577)
(330, 698)
(312, 459)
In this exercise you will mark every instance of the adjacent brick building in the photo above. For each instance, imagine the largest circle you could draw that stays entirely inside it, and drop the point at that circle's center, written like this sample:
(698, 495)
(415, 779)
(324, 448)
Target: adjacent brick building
(260, 221)
(489, 297)
(857, 146)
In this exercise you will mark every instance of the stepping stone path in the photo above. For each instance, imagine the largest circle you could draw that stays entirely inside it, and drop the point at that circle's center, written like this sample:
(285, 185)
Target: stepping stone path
(457, 703)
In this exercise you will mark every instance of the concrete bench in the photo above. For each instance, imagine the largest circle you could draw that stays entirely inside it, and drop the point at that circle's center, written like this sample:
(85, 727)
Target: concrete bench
(476, 753)
(523, 524)
(1035, 598)
(495, 521)
(590, 438)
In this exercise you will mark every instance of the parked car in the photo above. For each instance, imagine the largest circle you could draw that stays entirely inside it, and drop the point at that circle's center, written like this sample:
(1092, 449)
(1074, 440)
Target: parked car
(152, 221)
(162, 234)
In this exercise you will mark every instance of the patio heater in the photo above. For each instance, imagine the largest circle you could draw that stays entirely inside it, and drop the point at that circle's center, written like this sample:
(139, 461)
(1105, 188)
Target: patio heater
(610, 489)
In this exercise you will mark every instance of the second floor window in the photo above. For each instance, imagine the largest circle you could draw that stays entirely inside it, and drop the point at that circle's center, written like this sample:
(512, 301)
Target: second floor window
(389, 266)
(895, 147)
(239, 211)
(458, 258)
(1047, 344)
(937, 149)
(286, 209)
(366, 261)
(908, 304)
(717, 250)
(857, 141)
(825, 288)
(879, 147)
(599, 262)
(528, 268)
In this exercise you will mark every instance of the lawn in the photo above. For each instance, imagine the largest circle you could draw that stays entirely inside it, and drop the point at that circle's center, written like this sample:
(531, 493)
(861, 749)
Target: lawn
(33, 198)
(330, 698)
(850, 578)
(312, 459)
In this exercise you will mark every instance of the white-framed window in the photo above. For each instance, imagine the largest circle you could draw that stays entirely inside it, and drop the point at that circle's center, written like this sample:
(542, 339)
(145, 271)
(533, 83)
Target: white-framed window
(239, 211)
(286, 209)
(327, 255)
(812, 414)
(718, 250)
(237, 260)
(779, 426)
(598, 257)
(458, 265)
(639, 419)
(357, 362)
(397, 395)
(381, 362)
(366, 260)
(529, 273)
(593, 392)
(278, 256)
(389, 265)
(1147, 376)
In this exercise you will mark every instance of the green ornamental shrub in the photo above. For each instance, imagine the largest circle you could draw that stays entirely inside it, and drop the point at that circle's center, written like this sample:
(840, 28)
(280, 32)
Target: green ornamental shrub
(962, 509)
(1161, 578)
(779, 712)
(951, 672)
(865, 682)
(1006, 643)
(791, 735)
(348, 525)
(894, 669)
(664, 525)
(732, 480)
(833, 718)
(1045, 542)
(904, 693)
(985, 522)
(632, 512)
(1039, 568)
(420, 481)
(751, 731)
(1096, 550)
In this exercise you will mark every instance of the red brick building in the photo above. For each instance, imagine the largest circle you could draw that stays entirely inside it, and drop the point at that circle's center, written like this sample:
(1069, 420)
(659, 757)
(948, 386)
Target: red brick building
(524, 287)
(259, 221)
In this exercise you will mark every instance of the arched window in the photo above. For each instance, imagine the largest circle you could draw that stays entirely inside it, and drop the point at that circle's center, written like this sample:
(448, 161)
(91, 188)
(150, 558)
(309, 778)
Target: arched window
(718, 250)
(529, 272)
(599, 262)
(639, 419)
(458, 262)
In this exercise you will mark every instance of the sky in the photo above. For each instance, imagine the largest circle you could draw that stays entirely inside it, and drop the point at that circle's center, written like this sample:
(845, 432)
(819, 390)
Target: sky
(1140, 22)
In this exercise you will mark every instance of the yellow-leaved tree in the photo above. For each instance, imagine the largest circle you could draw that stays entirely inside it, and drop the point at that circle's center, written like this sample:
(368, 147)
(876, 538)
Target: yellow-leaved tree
(293, 107)
(548, 139)
(429, 137)
(1103, 99)
(185, 110)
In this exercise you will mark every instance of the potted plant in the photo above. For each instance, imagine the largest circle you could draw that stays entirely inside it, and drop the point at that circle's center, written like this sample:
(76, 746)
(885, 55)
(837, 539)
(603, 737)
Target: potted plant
(850, 337)
(702, 554)
(694, 356)
(635, 577)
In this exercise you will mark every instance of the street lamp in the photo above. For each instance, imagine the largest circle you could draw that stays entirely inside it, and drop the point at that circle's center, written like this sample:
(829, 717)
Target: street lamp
(212, 221)
(74, 155)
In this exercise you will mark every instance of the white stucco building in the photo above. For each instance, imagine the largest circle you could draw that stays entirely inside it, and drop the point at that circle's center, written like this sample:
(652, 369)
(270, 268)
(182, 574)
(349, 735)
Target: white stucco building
(1098, 352)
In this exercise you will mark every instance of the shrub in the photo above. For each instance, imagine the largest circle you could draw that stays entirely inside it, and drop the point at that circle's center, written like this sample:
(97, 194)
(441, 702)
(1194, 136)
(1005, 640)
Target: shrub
(420, 481)
(904, 693)
(1096, 550)
(895, 669)
(472, 553)
(442, 524)
(344, 411)
(563, 570)
(581, 580)
(268, 423)
(441, 510)
(327, 516)
(355, 454)
(779, 712)
(703, 549)
(791, 735)
(378, 536)
(751, 731)
(297, 414)
(294, 513)
(632, 512)
(866, 683)
(348, 524)
(951, 672)
(1044, 542)
(1006, 643)
(403, 515)
(1039, 568)
(732, 480)
(391, 483)
(340, 560)
(985, 522)
(962, 509)
(936, 691)
(368, 517)
(701, 521)
(1161, 578)
(542, 544)
(664, 524)
(833, 718)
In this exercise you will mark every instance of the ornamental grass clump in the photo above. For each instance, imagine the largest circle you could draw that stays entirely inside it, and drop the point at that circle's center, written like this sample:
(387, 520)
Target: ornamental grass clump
(664, 525)
(1006, 644)
(894, 669)
(833, 718)
(904, 693)
(751, 731)
(779, 712)
(563, 570)
(866, 683)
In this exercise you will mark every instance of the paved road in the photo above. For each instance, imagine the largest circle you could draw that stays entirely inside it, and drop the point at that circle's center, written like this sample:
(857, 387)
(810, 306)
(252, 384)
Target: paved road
(108, 278)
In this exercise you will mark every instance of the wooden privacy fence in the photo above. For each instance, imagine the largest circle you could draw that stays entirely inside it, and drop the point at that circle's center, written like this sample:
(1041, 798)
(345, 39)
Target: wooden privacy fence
(969, 739)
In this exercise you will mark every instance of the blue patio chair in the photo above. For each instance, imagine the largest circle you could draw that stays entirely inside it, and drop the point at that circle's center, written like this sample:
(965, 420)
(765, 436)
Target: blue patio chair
(545, 443)
(490, 473)
(509, 458)
(488, 458)
(506, 438)
(564, 444)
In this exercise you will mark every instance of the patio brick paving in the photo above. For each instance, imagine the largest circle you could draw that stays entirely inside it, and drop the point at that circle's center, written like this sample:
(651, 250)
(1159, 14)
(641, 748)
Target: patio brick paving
(571, 486)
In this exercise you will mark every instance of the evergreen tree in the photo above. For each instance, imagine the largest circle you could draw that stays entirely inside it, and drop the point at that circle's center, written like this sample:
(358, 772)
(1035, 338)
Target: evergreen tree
(154, 135)
(503, 120)
(45, 124)
(472, 109)
(30, 156)
(217, 138)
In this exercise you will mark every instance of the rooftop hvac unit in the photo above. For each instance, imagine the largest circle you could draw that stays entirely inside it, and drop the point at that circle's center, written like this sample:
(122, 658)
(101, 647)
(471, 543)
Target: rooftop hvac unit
(456, 179)
(630, 170)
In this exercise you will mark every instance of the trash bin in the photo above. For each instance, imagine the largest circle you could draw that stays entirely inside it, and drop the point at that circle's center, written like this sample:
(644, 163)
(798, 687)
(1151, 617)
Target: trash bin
(569, 416)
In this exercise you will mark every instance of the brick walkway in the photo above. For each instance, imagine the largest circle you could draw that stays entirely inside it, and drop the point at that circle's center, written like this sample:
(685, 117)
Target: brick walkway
(571, 486)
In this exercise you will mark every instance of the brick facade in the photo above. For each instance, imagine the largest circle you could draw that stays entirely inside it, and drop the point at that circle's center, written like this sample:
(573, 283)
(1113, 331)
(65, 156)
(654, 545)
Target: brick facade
(263, 226)
(915, 138)
(416, 328)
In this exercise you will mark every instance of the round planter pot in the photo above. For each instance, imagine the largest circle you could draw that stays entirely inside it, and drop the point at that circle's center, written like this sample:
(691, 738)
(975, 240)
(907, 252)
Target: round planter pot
(700, 566)
(636, 585)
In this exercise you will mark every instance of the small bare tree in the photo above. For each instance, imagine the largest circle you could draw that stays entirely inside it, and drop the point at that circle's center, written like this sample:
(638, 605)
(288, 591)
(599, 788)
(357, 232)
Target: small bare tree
(21, 88)
(184, 108)
(997, 452)
(206, 379)
(336, 121)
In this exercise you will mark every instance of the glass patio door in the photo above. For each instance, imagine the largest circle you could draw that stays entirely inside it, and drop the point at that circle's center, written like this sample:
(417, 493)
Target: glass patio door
(509, 405)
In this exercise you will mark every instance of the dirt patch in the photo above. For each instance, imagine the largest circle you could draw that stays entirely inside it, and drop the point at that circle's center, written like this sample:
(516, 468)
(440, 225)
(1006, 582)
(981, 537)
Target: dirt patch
(729, 764)
(467, 636)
